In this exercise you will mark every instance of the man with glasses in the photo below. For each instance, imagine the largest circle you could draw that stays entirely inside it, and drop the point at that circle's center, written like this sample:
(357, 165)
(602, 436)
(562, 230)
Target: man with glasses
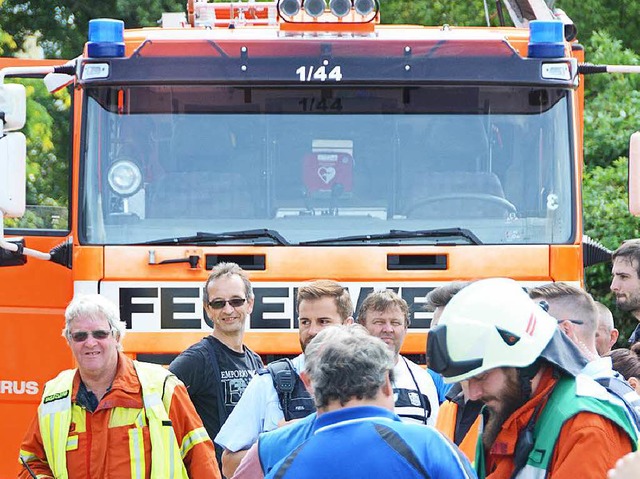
(576, 313)
(113, 416)
(217, 369)
(321, 303)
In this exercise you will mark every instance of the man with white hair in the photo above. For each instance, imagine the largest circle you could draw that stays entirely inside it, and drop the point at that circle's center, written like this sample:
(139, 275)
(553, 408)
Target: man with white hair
(113, 416)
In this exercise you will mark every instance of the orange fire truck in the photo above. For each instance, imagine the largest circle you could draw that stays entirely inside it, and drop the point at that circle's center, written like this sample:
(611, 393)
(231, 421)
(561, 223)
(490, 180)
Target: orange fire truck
(301, 140)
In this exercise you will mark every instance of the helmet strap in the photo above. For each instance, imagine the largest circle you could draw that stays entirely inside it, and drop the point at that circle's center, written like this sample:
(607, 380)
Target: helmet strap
(526, 375)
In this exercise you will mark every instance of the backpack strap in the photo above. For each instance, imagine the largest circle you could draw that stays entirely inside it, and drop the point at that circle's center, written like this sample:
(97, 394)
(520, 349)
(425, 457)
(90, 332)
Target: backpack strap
(222, 410)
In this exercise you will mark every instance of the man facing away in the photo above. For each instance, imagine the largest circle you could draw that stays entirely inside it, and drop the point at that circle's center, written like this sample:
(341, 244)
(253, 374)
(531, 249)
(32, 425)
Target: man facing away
(217, 369)
(386, 316)
(320, 303)
(113, 417)
(607, 334)
(545, 418)
(625, 284)
(358, 435)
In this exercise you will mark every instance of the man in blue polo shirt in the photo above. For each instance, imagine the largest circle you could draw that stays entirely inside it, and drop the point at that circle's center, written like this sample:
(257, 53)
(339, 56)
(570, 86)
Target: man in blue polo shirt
(358, 435)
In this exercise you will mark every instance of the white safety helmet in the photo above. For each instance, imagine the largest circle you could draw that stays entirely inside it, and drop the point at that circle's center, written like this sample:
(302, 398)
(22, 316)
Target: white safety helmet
(489, 324)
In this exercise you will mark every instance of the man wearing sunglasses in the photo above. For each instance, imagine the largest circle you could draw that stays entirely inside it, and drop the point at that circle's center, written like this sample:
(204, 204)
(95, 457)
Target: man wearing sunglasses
(321, 303)
(113, 417)
(217, 369)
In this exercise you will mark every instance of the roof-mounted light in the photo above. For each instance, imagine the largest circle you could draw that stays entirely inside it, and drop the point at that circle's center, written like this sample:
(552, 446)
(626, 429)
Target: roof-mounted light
(340, 8)
(106, 38)
(364, 7)
(290, 7)
(314, 8)
(329, 15)
(546, 39)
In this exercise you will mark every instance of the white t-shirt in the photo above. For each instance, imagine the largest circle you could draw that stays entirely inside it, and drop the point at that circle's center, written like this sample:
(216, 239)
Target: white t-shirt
(415, 393)
(257, 411)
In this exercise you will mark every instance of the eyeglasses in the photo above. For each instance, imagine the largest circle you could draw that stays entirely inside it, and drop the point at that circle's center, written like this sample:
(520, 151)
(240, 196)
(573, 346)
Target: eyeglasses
(80, 336)
(220, 303)
(574, 321)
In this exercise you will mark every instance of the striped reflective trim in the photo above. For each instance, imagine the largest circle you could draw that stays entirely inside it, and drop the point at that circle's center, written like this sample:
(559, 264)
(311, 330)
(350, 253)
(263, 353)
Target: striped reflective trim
(55, 406)
(136, 453)
(530, 472)
(27, 456)
(191, 439)
(72, 443)
(152, 400)
(167, 432)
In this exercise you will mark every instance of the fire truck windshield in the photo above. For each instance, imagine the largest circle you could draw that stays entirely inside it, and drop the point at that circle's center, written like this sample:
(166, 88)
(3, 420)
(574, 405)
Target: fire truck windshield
(317, 163)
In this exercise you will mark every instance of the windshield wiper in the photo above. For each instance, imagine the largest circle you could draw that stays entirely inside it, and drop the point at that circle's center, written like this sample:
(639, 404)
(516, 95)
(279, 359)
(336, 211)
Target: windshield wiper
(401, 235)
(213, 238)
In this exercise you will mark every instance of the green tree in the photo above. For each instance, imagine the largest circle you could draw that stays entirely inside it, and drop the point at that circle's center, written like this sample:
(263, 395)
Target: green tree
(61, 26)
(618, 18)
(438, 12)
(607, 218)
(612, 104)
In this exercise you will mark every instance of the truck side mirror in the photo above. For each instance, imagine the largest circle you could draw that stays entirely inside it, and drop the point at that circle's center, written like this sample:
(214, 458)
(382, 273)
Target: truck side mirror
(634, 174)
(13, 150)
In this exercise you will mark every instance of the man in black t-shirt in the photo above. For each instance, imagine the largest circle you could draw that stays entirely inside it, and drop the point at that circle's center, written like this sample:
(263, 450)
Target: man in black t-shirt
(217, 369)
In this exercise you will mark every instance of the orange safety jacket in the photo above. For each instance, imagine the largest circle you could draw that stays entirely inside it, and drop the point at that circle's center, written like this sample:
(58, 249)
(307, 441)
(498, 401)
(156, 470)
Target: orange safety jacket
(101, 446)
(446, 424)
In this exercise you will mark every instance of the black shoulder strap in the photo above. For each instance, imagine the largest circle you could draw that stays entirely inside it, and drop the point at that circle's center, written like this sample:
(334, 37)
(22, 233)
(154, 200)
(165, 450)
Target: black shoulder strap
(284, 378)
(222, 409)
(398, 444)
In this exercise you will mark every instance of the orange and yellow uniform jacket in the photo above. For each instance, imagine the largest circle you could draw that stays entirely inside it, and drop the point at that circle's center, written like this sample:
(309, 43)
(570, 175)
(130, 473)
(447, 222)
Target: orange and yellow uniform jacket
(145, 426)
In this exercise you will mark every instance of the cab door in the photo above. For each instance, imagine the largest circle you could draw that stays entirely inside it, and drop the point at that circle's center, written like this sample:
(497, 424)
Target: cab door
(33, 292)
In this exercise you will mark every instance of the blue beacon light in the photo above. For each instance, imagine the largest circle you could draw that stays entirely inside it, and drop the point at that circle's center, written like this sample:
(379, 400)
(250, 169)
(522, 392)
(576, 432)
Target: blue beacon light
(106, 38)
(546, 39)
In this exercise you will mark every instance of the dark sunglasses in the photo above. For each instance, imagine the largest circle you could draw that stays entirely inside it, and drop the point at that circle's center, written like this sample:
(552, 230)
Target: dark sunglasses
(80, 336)
(220, 303)
(574, 321)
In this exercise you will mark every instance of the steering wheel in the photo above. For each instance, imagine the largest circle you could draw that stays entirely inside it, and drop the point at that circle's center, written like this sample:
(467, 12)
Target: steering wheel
(487, 198)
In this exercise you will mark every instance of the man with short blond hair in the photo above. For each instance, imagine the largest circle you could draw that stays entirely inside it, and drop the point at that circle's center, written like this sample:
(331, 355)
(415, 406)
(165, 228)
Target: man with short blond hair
(321, 303)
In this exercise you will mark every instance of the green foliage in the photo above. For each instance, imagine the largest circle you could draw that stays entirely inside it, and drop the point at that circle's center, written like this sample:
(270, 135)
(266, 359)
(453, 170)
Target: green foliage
(438, 12)
(618, 18)
(612, 102)
(62, 26)
(607, 218)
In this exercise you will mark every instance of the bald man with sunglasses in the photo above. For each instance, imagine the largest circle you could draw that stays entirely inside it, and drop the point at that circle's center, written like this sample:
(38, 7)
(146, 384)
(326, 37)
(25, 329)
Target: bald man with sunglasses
(217, 369)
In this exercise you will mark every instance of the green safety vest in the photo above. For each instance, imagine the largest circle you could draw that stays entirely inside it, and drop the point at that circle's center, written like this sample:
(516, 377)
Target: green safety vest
(55, 411)
(570, 396)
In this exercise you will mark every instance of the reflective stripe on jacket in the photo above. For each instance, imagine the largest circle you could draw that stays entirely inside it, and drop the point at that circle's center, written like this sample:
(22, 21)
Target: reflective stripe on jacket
(56, 410)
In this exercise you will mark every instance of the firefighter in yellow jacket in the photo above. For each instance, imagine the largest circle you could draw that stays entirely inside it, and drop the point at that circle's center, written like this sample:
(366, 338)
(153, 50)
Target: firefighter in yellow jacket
(113, 417)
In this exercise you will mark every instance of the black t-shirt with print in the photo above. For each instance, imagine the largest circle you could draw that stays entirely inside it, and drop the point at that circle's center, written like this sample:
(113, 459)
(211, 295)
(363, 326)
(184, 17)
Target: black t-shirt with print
(193, 367)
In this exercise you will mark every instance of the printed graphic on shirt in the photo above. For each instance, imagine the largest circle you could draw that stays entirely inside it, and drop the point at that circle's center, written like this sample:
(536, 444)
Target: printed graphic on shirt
(236, 370)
